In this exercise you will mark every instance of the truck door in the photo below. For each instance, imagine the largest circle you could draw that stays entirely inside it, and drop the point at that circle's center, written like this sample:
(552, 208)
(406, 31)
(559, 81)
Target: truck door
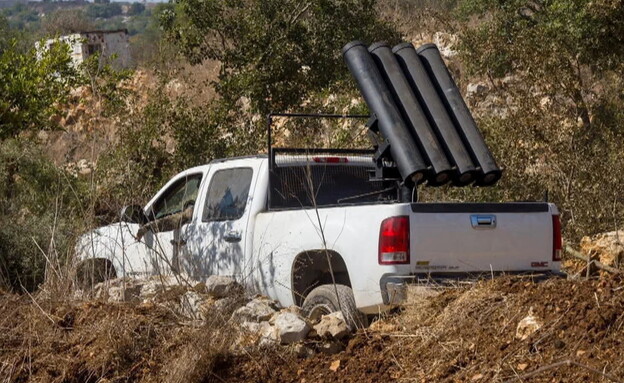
(216, 240)
(169, 217)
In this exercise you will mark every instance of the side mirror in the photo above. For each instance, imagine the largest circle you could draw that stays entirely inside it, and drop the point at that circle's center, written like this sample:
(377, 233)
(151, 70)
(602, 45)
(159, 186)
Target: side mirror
(133, 214)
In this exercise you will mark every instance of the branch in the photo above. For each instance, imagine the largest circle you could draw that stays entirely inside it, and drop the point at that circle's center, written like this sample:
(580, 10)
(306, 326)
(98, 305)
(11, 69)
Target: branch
(599, 265)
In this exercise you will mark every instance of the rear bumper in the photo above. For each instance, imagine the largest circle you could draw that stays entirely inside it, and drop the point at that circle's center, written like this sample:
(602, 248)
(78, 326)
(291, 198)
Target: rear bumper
(394, 287)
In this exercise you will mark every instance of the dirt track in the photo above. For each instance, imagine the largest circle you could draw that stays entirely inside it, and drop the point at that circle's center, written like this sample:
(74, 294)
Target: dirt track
(459, 335)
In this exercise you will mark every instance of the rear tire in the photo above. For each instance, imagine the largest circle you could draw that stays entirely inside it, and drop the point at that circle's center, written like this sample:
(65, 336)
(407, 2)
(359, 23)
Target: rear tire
(92, 271)
(327, 299)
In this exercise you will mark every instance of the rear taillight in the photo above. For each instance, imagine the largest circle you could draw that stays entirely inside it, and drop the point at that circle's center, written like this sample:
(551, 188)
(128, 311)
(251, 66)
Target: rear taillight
(557, 242)
(394, 241)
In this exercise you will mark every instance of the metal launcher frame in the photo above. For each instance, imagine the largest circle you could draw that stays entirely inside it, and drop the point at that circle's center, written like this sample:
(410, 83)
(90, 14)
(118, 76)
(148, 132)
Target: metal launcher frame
(420, 127)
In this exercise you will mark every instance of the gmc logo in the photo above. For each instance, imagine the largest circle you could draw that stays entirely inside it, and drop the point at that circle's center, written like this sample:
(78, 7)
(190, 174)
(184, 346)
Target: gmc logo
(539, 264)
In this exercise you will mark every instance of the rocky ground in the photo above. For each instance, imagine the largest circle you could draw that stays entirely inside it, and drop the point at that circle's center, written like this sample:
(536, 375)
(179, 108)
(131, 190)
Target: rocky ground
(508, 329)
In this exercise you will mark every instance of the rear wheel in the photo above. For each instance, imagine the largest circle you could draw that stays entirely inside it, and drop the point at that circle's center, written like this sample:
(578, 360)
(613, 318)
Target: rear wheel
(327, 299)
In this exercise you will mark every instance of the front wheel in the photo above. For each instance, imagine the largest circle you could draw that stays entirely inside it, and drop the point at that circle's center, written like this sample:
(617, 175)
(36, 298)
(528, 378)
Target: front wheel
(327, 299)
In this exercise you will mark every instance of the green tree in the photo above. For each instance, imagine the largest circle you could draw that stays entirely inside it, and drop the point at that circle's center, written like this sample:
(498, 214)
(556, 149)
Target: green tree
(559, 66)
(105, 11)
(561, 44)
(22, 17)
(64, 21)
(33, 84)
(136, 9)
(274, 53)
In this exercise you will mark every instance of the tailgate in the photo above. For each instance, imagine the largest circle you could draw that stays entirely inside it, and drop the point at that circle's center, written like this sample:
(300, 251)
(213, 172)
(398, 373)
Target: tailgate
(482, 237)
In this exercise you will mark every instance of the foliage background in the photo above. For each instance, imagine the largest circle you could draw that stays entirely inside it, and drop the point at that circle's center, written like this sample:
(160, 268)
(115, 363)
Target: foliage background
(552, 113)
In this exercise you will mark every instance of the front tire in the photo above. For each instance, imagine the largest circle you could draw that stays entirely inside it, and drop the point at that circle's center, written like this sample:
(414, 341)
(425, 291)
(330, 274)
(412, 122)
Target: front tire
(327, 299)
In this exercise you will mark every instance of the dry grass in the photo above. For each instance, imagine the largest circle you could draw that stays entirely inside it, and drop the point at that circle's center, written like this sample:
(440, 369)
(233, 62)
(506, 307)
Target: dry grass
(47, 341)
(470, 334)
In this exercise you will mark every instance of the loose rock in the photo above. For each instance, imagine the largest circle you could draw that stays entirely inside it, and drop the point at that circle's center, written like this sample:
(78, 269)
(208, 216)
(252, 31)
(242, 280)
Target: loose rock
(227, 305)
(191, 305)
(220, 286)
(254, 311)
(291, 327)
(302, 351)
(124, 294)
(527, 326)
(608, 248)
(269, 335)
(332, 326)
(476, 90)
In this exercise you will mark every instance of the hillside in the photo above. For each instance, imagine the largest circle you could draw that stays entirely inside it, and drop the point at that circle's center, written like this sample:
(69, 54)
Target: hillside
(543, 80)
(476, 333)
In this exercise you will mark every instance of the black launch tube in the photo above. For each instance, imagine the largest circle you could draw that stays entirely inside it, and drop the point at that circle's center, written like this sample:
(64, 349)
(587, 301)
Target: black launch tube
(412, 113)
(466, 126)
(378, 97)
(441, 122)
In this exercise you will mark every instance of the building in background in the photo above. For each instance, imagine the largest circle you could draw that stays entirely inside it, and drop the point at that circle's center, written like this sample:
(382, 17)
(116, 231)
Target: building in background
(111, 45)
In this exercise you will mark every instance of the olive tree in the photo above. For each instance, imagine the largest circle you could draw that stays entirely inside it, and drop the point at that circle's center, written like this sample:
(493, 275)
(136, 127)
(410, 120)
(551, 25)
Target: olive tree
(557, 64)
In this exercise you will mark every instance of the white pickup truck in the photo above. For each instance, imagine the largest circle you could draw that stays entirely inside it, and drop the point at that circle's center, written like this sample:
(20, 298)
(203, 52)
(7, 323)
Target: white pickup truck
(326, 237)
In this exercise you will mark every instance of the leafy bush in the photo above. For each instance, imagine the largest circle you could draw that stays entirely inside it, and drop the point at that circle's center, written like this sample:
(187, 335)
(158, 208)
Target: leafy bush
(64, 21)
(104, 11)
(41, 208)
(561, 68)
(156, 141)
(32, 84)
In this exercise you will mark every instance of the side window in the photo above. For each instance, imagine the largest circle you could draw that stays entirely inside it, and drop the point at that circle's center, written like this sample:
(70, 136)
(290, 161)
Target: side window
(227, 194)
(177, 197)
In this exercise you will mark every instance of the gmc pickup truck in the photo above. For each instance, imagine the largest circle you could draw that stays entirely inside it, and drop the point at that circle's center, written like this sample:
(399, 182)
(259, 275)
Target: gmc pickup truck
(331, 229)
(327, 223)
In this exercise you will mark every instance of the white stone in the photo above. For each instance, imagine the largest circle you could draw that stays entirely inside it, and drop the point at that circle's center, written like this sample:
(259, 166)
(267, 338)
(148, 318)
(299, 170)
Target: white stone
(121, 294)
(269, 335)
(527, 326)
(332, 326)
(220, 287)
(190, 305)
(254, 311)
(445, 42)
(252, 327)
(292, 328)
(479, 89)
(224, 304)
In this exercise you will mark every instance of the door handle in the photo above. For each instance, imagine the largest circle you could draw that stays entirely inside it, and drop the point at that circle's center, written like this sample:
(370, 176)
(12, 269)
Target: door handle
(232, 236)
(483, 221)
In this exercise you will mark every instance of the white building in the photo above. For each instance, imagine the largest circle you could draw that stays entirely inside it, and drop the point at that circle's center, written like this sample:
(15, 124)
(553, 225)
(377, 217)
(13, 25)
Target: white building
(112, 46)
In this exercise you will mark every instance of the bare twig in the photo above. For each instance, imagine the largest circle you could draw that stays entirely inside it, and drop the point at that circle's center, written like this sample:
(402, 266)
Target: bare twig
(589, 261)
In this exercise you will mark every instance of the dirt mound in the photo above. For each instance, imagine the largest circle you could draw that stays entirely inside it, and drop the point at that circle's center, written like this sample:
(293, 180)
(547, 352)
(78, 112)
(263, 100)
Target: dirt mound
(98, 341)
(364, 360)
(471, 335)
(458, 335)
